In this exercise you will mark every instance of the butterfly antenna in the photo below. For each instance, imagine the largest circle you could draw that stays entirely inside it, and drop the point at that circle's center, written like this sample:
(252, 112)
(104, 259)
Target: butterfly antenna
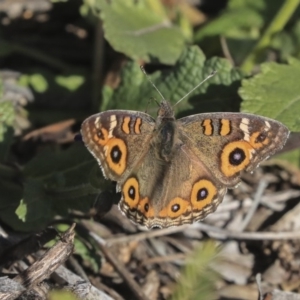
(144, 71)
(209, 76)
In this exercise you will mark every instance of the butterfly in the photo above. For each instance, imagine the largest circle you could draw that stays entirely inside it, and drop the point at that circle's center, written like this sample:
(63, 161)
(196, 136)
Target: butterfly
(176, 171)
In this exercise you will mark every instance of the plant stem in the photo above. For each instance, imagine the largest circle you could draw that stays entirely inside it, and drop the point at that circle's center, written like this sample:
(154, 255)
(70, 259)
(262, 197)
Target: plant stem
(36, 55)
(277, 24)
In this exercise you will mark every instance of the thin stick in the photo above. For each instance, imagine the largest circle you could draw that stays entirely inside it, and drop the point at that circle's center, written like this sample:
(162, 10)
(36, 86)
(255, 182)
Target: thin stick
(119, 267)
(257, 198)
(223, 234)
(258, 283)
(147, 234)
(164, 259)
(225, 49)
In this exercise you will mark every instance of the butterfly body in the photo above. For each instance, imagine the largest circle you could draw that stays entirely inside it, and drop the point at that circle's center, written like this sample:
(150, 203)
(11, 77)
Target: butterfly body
(172, 172)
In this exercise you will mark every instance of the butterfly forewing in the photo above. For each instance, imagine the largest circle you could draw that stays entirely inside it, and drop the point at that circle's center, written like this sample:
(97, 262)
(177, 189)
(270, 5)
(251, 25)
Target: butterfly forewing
(229, 143)
(118, 139)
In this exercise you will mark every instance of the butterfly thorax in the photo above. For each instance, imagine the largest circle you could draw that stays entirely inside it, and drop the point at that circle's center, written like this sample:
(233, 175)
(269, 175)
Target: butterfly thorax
(165, 133)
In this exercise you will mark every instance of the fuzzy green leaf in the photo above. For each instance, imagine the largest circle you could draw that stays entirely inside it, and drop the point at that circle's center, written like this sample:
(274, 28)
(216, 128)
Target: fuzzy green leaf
(274, 93)
(133, 28)
(7, 116)
(6, 143)
(216, 94)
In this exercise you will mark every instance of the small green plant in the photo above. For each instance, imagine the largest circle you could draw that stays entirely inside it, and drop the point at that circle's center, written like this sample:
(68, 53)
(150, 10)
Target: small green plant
(197, 280)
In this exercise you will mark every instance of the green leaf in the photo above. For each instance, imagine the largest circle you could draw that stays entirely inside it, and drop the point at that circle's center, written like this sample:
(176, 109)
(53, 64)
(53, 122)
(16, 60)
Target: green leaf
(241, 19)
(240, 24)
(5, 49)
(88, 253)
(7, 117)
(232, 19)
(216, 94)
(279, 21)
(293, 157)
(142, 33)
(31, 213)
(1, 89)
(34, 210)
(37, 81)
(10, 195)
(287, 42)
(66, 177)
(21, 211)
(72, 83)
(47, 166)
(132, 93)
(55, 182)
(274, 93)
(62, 294)
(6, 143)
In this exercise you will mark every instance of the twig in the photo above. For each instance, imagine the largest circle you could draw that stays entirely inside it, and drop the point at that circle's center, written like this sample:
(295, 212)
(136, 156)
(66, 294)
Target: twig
(258, 282)
(225, 49)
(78, 268)
(147, 234)
(9, 289)
(119, 267)
(27, 246)
(222, 234)
(81, 288)
(47, 264)
(110, 291)
(37, 55)
(226, 234)
(98, 65)
(50, 261)
(164, 259)
(281, 196)
(260, 190)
